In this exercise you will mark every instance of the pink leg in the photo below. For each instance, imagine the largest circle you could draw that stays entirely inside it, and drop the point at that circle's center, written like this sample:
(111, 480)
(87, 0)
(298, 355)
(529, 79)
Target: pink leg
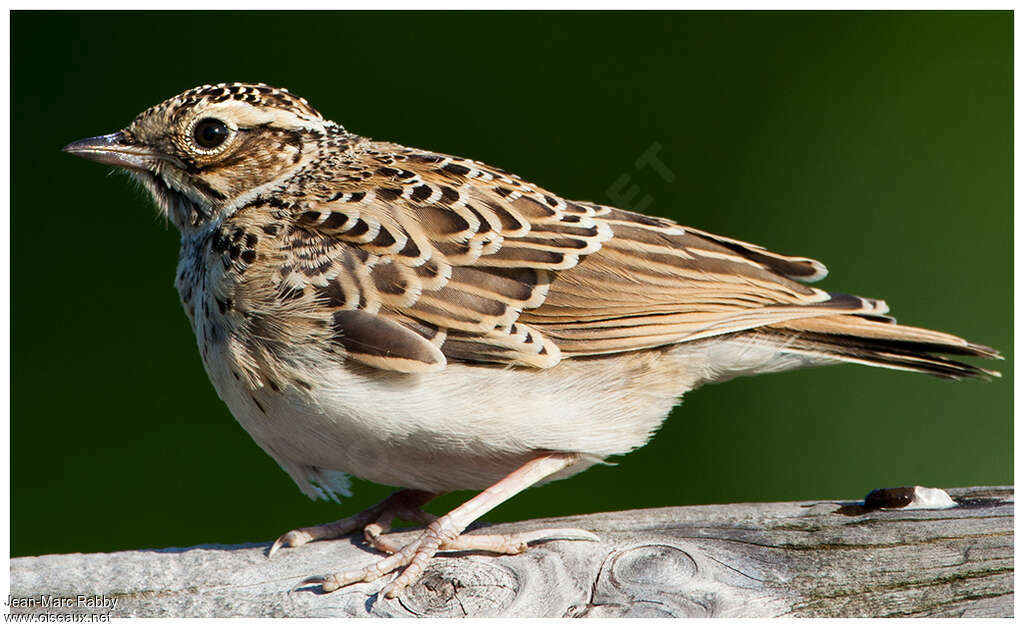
(373, 532)
(445, 532)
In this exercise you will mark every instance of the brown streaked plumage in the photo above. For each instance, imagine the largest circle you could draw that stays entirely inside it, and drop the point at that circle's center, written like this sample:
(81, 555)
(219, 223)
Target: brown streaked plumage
(435, 323)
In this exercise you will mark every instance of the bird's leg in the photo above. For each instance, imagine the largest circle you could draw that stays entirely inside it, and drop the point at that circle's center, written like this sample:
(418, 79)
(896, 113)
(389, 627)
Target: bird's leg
(446, 532)
(494, 543)
(405, 504)
(373, 532)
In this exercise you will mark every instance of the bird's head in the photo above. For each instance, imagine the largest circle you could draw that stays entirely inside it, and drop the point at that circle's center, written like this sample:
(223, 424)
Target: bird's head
(204, 150)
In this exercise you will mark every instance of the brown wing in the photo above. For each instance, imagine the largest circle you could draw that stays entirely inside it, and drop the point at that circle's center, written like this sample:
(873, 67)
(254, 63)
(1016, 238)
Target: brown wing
(658, 283)
(444, 248)
(449, 259)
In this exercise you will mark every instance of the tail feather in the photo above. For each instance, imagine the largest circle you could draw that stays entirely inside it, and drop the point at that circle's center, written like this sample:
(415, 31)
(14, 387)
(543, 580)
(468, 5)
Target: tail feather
(880, 343)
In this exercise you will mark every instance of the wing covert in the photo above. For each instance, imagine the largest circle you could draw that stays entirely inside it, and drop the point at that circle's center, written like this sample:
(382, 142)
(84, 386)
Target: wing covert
(484, 267)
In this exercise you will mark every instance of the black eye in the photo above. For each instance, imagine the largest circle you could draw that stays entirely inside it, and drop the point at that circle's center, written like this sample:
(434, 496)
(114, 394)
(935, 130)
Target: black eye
(210, 133)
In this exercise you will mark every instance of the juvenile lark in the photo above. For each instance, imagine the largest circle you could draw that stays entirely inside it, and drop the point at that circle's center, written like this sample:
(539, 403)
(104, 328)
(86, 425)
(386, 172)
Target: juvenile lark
(433, 323)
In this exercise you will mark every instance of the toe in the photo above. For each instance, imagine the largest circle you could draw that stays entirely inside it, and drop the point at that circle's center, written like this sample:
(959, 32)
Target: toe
(374, 535)
(294, 538)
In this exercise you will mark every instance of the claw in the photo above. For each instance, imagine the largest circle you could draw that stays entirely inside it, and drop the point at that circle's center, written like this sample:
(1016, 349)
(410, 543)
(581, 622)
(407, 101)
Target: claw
(293, 538)
(330, 584)
(308, 581)
(392, 589)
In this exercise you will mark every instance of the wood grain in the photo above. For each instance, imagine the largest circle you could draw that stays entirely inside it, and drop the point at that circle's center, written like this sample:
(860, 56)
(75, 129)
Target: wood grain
(815, 558)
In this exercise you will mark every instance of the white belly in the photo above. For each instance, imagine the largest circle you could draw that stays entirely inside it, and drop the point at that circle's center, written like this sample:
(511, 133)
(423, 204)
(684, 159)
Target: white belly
(468, 426)
(462, 428)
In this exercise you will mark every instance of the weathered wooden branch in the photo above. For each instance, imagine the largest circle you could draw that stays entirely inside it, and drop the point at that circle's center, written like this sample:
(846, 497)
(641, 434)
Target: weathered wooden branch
(748, 560)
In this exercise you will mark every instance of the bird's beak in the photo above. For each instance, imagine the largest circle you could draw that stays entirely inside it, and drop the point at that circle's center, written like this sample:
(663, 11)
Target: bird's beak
(115, 150)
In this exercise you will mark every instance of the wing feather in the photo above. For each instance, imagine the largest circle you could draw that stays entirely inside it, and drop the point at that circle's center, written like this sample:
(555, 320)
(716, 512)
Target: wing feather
(460, 261)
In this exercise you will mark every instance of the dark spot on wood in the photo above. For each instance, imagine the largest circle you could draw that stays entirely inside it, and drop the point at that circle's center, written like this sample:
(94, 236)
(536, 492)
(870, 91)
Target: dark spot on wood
(249, 256)
(356, 197)
(388, 194)
(251, 240)
(270, 230)
(387, 172)
(237, 234)
(890, 497)
(234, 251)
(309, 217)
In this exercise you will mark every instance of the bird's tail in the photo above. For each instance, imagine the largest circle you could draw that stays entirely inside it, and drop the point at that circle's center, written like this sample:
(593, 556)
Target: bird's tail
(878, 341)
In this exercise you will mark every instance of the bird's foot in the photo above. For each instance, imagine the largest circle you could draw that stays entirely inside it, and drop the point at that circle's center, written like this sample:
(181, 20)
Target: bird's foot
(374, 520)
(438, 537)
(442, 533)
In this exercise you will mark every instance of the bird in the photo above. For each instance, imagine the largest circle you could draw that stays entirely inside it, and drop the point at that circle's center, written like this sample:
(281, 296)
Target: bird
(433, 323)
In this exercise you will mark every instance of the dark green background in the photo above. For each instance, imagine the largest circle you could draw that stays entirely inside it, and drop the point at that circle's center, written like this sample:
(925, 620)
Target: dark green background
(879, 143)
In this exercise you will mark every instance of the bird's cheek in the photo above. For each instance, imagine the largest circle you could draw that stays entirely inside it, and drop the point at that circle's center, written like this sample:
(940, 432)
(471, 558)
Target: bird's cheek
(244, 172)
(221, 184)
